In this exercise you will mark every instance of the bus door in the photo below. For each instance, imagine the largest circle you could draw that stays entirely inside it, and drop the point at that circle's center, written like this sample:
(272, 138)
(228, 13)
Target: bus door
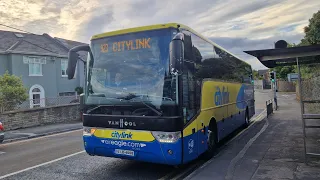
(190, 132)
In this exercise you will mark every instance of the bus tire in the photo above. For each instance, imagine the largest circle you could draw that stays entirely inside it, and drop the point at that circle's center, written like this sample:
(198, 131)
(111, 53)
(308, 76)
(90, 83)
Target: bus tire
(212, 140)
(246, 119)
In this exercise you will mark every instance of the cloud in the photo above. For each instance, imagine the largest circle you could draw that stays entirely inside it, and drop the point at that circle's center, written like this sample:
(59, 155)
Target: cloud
(238, 45)
(248, 24)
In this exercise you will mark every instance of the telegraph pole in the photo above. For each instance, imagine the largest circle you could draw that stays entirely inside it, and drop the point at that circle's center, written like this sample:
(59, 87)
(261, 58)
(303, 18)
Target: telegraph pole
(274, 83)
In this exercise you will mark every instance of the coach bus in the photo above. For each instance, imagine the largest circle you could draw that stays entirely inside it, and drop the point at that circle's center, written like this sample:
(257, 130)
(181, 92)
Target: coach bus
(161, 93)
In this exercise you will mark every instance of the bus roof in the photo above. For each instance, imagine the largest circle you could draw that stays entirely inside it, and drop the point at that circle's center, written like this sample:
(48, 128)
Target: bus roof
(155, 27)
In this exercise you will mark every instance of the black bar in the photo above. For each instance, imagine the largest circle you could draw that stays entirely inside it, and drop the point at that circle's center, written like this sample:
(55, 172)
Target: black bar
(168, 124)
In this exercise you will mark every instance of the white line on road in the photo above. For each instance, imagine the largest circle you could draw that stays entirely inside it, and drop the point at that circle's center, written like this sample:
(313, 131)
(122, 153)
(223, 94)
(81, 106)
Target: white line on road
(1, 152)
(42, 164)
(257, 118)
(41, 137)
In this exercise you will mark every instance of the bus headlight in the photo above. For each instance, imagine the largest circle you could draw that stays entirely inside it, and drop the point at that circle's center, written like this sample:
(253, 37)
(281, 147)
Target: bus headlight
(88, 131)
(167, 137)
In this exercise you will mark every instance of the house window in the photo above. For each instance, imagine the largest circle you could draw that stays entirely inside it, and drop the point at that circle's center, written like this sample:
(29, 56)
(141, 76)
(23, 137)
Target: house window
(35, 69)
(64, 65)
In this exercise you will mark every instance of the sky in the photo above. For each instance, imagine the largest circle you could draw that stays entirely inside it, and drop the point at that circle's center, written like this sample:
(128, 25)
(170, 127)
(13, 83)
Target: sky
(233, 24)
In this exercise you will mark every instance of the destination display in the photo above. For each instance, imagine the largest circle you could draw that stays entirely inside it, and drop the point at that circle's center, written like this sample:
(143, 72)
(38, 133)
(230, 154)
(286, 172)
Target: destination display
(130, 45)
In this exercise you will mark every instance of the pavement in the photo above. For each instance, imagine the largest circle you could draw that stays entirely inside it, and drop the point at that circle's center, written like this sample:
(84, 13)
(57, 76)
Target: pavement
(270, 149)
(61, 156)
(32, 132)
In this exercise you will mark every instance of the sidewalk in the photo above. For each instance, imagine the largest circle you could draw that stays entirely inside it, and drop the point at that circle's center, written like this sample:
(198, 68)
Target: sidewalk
(270, 149)
(37, 131)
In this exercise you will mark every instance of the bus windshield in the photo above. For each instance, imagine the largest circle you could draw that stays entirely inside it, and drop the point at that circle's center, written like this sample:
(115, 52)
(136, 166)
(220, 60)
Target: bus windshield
(130, 69)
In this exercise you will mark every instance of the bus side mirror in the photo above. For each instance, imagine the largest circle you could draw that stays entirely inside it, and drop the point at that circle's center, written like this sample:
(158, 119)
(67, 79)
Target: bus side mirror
(176, 50)
(73, 58)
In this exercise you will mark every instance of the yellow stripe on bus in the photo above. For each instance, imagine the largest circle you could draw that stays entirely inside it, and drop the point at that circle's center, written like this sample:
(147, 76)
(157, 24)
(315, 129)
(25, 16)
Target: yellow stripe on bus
(144, 136)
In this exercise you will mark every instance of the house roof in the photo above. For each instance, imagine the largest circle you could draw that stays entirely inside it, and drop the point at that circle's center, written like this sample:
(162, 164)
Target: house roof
(24, 43)
(262, 71)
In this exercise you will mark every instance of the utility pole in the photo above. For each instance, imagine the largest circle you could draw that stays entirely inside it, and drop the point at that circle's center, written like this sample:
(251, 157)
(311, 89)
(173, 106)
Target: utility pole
(274, 83)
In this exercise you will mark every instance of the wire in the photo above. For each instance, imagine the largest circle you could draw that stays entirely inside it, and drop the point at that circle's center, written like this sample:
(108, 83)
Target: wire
(15, 28)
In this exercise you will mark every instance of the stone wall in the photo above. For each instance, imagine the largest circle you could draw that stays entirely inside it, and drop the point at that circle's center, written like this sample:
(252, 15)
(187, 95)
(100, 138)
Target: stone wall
(40, 116)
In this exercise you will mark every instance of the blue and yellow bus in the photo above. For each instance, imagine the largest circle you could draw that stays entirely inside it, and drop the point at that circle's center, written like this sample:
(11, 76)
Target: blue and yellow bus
(161, 93)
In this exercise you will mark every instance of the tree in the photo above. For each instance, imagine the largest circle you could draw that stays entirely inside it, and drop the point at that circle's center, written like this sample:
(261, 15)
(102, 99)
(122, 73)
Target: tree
(79, 90)
(255, 75)
(12, 91)
(312, 31)
(283, 71)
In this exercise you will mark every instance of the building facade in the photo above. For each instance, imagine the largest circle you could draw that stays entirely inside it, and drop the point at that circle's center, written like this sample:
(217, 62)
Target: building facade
(41, 61)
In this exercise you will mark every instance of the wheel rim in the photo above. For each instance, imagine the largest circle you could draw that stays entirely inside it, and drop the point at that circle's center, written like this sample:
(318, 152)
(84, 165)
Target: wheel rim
(211, 141)
(247, 119)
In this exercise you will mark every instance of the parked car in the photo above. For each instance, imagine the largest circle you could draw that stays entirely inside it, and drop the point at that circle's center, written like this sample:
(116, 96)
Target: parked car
(1, 132)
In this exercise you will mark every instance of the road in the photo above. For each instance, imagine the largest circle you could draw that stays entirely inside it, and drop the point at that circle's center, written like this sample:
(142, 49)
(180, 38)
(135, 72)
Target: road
(61, 156)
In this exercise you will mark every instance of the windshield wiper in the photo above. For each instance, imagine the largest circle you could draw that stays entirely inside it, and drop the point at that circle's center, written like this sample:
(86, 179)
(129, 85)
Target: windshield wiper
(132, 95)
(153, 109)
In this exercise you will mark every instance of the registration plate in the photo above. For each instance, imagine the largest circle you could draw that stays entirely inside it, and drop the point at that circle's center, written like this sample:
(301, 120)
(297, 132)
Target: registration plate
(124, 152)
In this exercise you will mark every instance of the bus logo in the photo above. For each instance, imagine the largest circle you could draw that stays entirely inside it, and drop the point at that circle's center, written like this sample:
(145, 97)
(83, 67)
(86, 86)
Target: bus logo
(121, 123)
(122, 135)
(221, 97)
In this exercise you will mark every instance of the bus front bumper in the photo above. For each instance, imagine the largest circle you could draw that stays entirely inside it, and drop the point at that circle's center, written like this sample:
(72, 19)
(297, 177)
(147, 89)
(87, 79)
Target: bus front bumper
(154, 152)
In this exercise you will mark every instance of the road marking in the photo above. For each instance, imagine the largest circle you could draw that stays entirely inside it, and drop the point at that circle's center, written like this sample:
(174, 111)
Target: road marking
(254, 120)
(37, 138)
(1, 152)
(42, 164)
(240, 155)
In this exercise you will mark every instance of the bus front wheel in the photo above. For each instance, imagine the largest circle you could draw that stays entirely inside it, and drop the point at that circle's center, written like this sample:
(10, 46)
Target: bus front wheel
(212, 143)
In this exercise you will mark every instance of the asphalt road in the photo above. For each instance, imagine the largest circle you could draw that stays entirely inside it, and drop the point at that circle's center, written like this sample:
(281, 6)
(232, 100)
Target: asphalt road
(17, 160)
(23, 154)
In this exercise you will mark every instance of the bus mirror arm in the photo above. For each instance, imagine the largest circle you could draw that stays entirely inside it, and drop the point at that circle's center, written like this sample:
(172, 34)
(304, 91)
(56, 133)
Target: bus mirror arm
(176, 50)
(81, 99)
(73, 58)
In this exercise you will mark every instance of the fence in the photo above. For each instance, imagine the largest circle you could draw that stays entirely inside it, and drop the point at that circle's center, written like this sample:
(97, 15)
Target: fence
(311, 91)
(285, 86)
(38, 103)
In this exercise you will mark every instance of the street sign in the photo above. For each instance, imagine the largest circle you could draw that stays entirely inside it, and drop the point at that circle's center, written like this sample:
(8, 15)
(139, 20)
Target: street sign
(293, 77)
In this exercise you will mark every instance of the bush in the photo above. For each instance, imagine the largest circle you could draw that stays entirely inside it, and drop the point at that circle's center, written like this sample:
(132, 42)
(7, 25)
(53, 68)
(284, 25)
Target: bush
(12, 91)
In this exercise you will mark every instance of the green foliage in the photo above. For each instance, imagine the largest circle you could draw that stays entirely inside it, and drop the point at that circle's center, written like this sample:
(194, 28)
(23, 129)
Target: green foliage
(283, 71)
(312, 31)
(79, 90)
(12, 91)
(255, 75)
(312, 37)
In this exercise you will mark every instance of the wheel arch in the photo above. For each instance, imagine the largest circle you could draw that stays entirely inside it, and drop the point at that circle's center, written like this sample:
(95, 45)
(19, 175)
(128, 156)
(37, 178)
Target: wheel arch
(213, 127)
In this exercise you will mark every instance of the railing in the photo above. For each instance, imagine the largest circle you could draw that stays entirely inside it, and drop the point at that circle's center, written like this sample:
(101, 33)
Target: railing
(38, 103)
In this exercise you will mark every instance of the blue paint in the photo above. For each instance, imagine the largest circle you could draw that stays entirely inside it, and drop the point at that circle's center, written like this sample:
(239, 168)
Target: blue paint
(230, 124)
(221, 97)
(202, 147)
(190, 147)
(241, 104)
(153, 152)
